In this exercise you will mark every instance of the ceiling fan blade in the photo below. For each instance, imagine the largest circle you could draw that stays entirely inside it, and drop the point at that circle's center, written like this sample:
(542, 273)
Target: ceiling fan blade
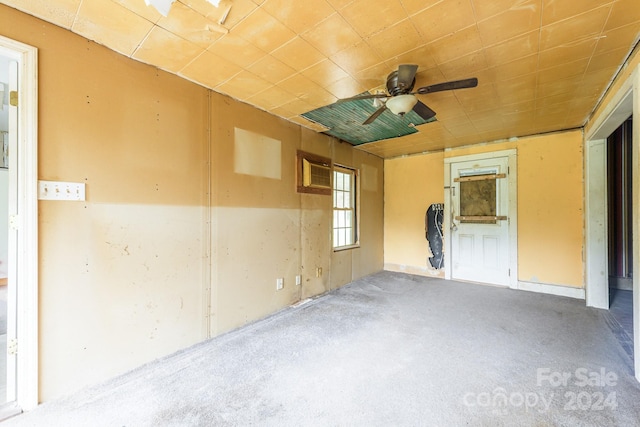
(356, 98)
(406, 74)
(457, 84)
(423, 111)
(375, 115)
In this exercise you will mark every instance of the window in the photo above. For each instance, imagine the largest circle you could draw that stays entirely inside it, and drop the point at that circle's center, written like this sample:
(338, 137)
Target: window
(345, 201)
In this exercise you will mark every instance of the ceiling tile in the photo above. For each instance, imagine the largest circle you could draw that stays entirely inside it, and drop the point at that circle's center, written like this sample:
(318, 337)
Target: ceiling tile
(510, 50)
(112, 25)
(622, 37)
(298, 106)
(488, 8)
(339, 4)
(356, 58)
(367, 18)
(298, 15)
(521, 88)
(271, 98)
(510, 24)
(235, 11)
(166, 50)
(443, 18)
(414, 6)
(345, 87)
(307, 90)
(299, 54)
(569, 53)
(562, 71)
(558, 86)
(236, 50)
(61, 13)
(149, 13)
(447, 109)
(480, 98)
(324, 73)
(420, 56)
(374, 77)
(263, 31)
(210, 70)
(243, 85)
(519, 67)
(271, 69)
(611, 59)
(456, 45)
(554, 10)
(464, 67)
(580, 28)
(395, 40)
(191, 25)
(623, 12)
(331, 35)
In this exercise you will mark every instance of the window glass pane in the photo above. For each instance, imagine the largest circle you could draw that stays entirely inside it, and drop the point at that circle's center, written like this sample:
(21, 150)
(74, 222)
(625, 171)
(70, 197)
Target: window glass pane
(343, 237)
(347, 182)
(339, 180)
(348, 218)
(335, 237)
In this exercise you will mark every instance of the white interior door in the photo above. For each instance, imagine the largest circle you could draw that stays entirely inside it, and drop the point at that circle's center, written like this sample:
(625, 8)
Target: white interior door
(480, 221)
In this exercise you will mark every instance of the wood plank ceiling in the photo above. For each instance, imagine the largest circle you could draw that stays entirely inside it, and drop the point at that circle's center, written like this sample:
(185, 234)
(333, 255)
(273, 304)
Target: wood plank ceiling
(542, 65)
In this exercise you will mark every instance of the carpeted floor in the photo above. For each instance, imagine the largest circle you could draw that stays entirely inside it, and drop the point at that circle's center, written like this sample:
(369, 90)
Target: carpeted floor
(389, 349)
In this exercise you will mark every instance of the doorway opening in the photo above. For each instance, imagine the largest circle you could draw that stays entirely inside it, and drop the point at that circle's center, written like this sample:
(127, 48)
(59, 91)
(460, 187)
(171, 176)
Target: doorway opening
(620, 230)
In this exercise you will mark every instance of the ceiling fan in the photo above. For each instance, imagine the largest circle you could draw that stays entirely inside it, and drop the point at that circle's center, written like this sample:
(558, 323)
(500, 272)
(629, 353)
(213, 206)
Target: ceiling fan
(400, 98)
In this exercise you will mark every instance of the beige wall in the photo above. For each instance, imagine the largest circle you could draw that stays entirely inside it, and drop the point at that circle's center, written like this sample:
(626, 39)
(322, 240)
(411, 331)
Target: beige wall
(411, 185)
(166, 250)
(264, 230)
(550, 207)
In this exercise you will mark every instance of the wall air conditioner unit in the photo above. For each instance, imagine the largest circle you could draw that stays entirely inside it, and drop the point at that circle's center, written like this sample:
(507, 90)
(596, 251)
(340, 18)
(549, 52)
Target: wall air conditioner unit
(314, 174)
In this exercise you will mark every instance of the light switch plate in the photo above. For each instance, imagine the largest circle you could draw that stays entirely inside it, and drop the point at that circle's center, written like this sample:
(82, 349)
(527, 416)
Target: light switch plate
(57, 190)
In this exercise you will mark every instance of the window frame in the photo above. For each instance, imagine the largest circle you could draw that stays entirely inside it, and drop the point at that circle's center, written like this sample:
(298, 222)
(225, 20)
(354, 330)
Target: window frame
(355, 190)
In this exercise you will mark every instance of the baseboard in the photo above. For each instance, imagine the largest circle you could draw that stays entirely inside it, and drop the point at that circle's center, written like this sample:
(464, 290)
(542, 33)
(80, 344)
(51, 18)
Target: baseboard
(542, 288)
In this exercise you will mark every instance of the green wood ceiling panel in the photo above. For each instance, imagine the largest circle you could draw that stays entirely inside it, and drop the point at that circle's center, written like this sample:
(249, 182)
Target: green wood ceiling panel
(344, 121)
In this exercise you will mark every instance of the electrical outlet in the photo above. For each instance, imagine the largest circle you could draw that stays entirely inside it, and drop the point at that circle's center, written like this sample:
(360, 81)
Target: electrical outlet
(279, 284)
(298, 280)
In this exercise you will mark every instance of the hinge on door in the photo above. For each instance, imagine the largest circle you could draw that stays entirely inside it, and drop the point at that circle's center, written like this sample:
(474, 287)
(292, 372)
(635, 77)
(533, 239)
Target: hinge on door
(13, 98)
(509, 272)
(13, 222)
(12, 346)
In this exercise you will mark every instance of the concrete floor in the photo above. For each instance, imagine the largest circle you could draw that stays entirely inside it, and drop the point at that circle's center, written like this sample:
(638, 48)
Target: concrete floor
(389, 349)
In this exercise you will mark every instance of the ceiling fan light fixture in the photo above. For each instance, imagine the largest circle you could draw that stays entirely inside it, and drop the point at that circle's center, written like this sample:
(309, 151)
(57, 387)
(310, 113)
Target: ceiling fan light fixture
(401, 104)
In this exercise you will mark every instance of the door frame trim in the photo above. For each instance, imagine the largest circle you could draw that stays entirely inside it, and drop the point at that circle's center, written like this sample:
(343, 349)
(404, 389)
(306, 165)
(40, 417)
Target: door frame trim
(624, 102)
(27, 221)
(512, 182)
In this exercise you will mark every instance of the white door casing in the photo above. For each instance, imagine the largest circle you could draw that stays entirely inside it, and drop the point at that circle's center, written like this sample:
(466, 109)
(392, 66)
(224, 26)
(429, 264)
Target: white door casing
(24, 220)
(482, 250)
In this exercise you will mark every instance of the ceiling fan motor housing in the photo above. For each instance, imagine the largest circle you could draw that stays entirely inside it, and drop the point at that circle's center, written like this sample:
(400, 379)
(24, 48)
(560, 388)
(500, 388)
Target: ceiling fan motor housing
(393, 87)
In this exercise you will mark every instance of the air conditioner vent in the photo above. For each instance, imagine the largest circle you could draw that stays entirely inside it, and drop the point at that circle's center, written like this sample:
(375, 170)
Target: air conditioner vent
(316, 175)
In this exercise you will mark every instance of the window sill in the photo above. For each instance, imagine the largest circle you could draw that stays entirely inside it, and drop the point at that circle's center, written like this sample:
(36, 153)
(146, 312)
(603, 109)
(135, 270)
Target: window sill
(346, 248)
